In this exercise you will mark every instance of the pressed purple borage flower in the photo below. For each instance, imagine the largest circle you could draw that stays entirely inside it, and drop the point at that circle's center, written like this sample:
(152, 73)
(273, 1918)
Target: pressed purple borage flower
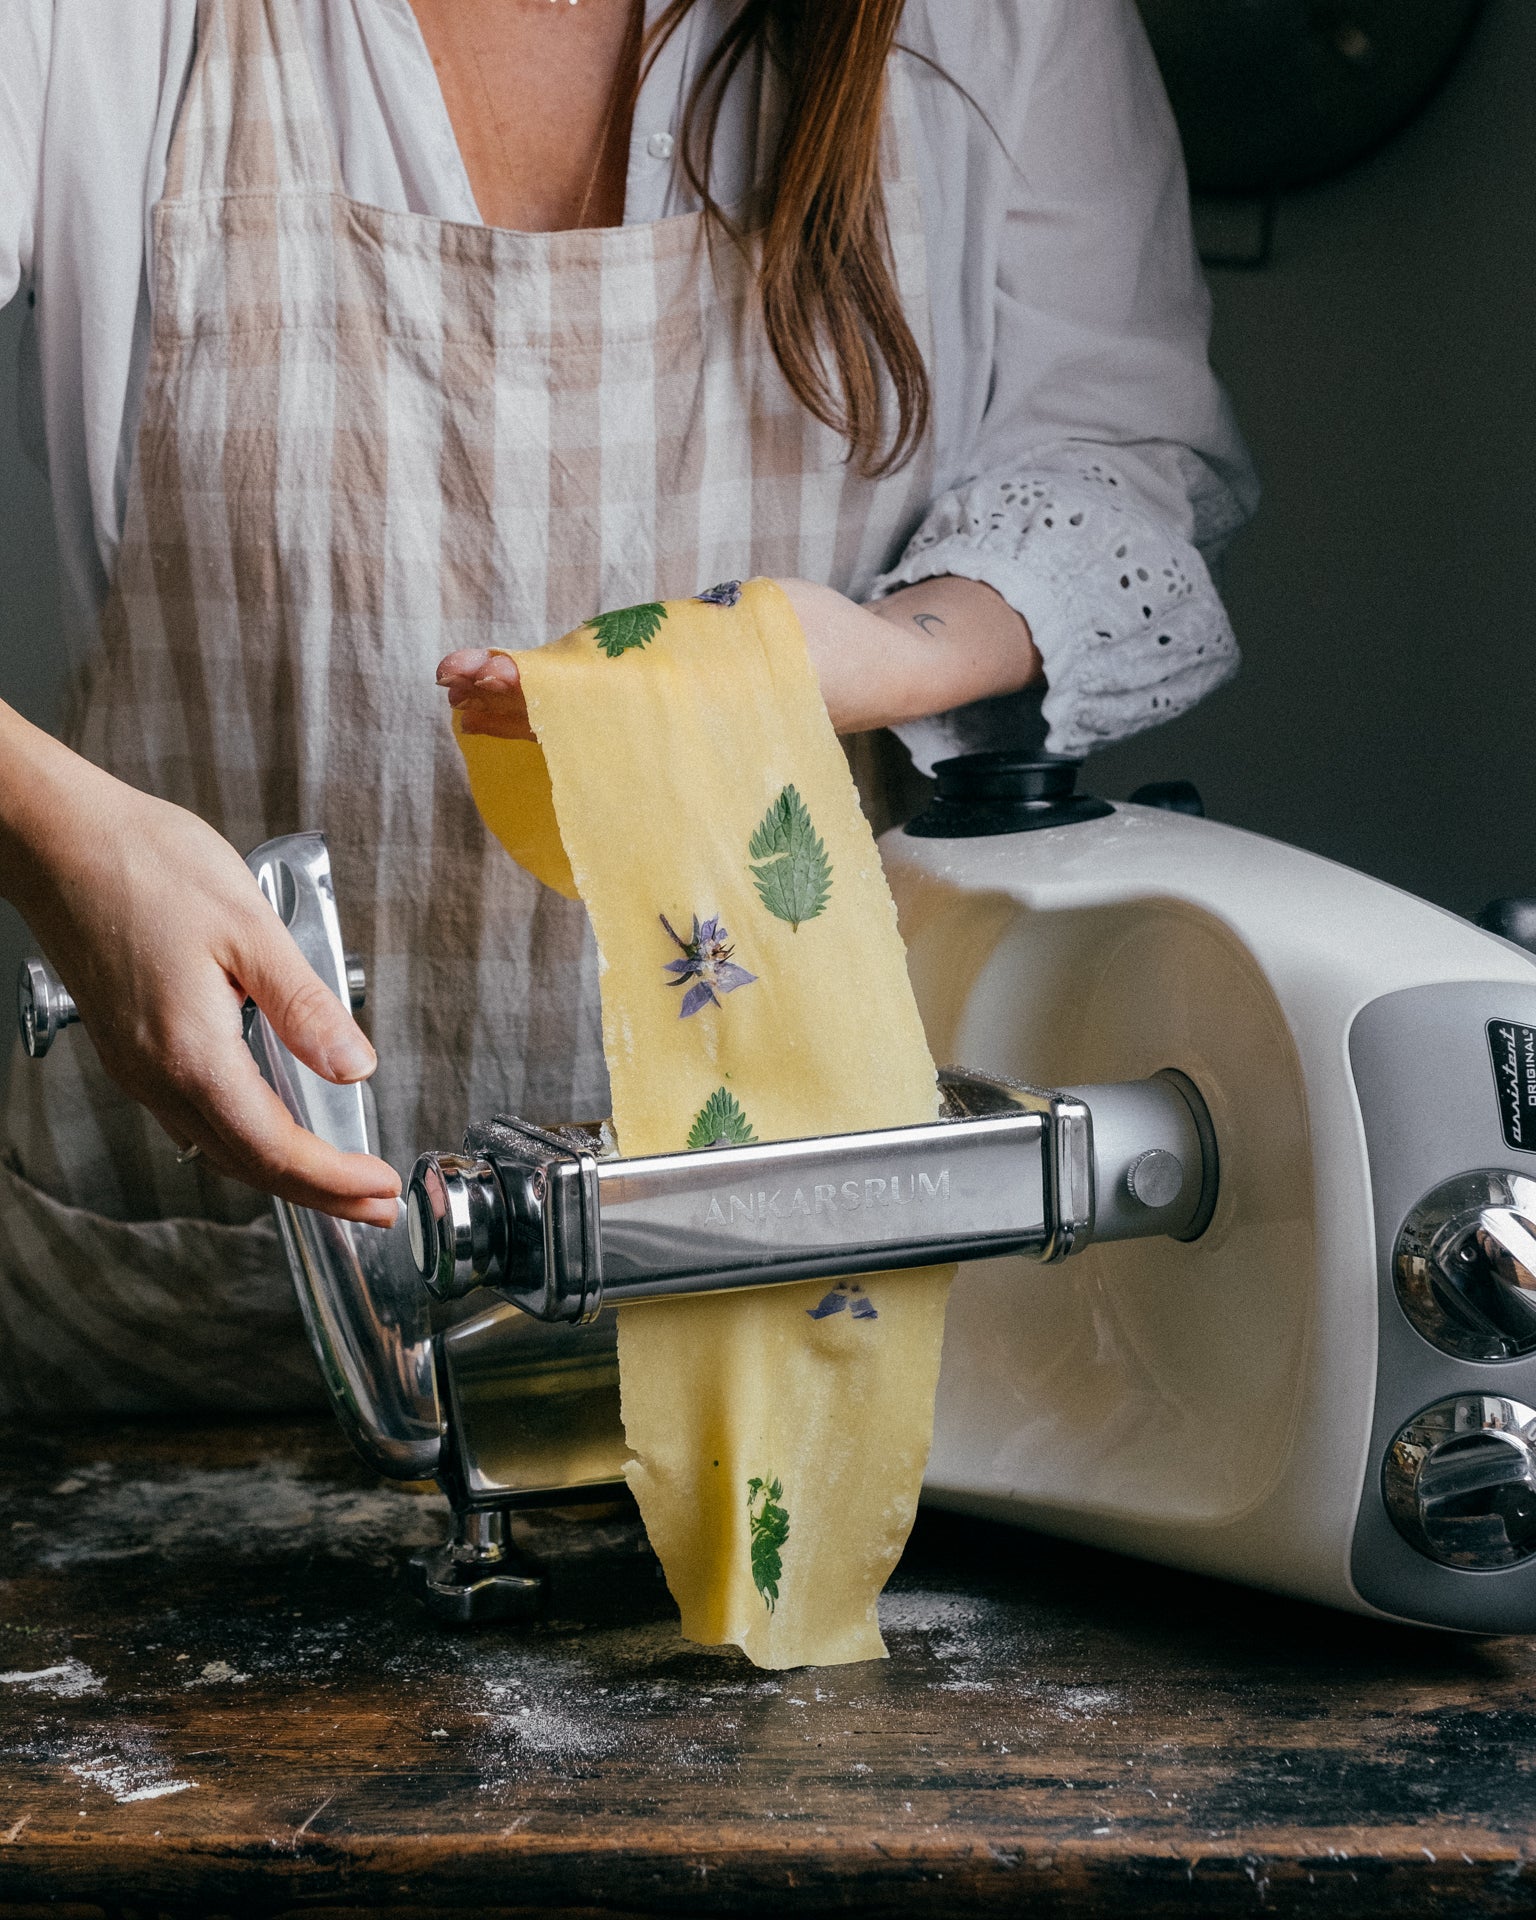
(846, 1295)
(707, 963)
(727, 594)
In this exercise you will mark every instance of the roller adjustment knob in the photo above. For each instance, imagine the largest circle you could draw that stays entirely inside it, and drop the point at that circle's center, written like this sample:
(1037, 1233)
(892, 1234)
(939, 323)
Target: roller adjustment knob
(43, 1007)
(456, 1222)
(1156, 1178)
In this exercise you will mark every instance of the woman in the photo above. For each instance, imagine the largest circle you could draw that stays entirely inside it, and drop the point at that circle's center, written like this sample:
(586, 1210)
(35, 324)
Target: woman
(373, 331)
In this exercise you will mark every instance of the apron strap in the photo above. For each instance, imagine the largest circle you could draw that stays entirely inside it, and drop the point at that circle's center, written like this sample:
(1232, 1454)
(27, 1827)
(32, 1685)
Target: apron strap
(251, 121)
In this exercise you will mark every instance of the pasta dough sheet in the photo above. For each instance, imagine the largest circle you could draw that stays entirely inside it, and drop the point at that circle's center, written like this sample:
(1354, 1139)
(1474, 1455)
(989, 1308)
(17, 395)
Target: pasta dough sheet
(754, 986)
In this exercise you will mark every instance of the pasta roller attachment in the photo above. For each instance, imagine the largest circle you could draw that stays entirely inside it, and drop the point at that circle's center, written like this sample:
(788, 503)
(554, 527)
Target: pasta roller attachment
(557, 1222)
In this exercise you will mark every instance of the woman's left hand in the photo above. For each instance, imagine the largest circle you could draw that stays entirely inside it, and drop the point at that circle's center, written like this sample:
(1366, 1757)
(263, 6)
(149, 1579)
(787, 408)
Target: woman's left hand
(485, 692)
(922, 650)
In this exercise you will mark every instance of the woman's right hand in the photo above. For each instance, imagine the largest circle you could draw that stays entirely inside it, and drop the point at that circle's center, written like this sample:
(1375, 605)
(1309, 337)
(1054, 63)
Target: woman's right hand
(157, 928)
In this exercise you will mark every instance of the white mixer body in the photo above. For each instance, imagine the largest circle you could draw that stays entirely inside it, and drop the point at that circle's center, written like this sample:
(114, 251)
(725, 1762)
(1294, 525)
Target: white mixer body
(1224, 1405)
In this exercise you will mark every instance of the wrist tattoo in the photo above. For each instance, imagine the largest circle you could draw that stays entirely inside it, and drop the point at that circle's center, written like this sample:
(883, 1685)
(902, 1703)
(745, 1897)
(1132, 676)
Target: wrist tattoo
(927, 621)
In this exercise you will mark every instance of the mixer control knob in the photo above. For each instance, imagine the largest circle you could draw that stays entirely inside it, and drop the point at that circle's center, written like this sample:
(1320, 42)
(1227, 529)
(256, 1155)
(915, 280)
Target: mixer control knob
(1460, 1482)
(1005, 792)
(1512, 919)
(456, 1221)
(1465, 1266)
(1170, 796)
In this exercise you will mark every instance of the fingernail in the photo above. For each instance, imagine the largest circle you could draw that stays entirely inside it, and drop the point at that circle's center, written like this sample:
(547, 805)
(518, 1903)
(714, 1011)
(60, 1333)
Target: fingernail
(347, 1061)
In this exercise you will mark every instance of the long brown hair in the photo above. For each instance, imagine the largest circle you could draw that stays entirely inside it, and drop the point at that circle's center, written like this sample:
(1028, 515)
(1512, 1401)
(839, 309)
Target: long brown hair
(830, 301)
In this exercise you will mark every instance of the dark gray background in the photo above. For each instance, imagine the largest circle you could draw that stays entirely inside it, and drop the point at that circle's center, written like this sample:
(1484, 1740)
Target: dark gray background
(1384, 369)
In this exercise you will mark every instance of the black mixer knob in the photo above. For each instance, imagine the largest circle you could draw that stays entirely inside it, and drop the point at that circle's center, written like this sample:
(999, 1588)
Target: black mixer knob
(992, 793)
(1513, 919)
(1170, 796)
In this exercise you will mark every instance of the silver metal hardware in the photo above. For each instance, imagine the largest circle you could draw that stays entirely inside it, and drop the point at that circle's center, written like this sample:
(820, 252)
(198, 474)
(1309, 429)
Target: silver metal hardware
(43, 1007)
(531, 1409)
(1459, 1481)
(559, 1230)
(1070, 1181)
(1156, 1179)
(456, 1221)
(479, 1574)
(1465, 1266)
(368, 1318)
(1143, 1131)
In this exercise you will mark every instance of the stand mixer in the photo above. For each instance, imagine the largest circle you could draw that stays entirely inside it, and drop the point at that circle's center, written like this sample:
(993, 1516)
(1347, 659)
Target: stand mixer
(1242, 1168)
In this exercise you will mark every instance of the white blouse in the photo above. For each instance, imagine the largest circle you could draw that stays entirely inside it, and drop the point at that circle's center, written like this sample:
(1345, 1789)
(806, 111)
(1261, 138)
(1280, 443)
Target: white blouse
(1086, 459)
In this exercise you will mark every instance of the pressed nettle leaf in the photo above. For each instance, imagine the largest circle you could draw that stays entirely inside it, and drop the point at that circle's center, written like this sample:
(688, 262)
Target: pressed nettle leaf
(720, 1122)
(707, 963)
(628, 627)
(792, 872)
(770, 1529)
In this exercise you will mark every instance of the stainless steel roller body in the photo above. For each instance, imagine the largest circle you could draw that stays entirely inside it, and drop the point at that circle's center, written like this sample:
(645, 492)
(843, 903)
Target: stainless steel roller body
(552, 1225)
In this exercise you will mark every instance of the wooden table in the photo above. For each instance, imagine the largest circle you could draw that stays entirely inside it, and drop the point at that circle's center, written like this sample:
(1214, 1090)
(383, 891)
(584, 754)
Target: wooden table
(218, 1697)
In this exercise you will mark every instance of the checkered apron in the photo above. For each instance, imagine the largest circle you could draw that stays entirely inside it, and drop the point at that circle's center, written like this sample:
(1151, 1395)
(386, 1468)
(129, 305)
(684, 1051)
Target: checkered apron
(368, 438)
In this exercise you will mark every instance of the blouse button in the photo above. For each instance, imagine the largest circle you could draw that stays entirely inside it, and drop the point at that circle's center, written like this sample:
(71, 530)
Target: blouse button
(660, 146)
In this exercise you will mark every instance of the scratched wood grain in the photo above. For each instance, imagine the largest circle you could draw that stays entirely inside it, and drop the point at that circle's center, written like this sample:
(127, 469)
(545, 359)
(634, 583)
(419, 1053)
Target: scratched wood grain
(217, 1697)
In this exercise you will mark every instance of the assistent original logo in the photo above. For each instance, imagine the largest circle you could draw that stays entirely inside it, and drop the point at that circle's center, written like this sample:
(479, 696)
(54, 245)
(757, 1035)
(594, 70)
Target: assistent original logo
(1513, 1051)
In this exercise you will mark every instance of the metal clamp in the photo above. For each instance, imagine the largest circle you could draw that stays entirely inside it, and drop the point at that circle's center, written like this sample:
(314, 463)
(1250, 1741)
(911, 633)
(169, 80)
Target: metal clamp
(479, 1575)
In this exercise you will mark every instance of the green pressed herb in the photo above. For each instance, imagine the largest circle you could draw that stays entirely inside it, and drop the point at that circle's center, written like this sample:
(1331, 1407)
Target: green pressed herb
(628, 627)
(791, 870)
(770, 1529)
(720, 1123)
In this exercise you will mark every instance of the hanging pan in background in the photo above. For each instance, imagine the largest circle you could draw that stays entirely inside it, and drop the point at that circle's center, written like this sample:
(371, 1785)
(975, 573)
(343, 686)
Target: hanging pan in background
(1274, 94)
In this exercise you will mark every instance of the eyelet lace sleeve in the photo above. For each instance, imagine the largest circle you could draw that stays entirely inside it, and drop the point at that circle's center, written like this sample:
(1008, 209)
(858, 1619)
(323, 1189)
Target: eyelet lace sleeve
(1122, 608)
